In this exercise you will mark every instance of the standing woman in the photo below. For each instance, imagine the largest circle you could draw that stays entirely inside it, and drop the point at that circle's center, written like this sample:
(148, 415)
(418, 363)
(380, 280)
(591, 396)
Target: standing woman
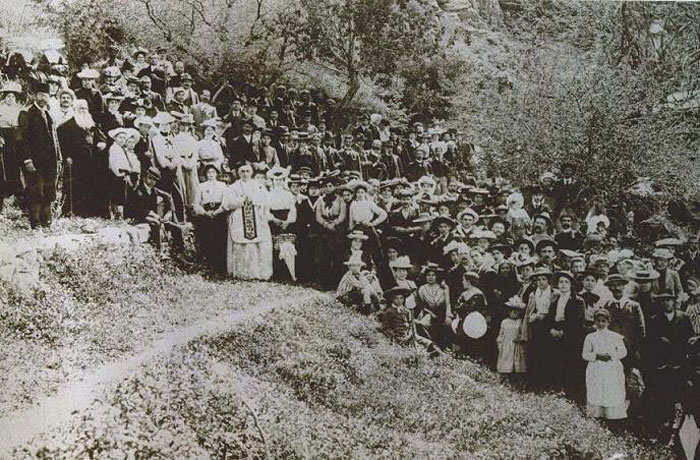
(209, 149)
(10, 183)
(366, 215)
(565, 329)
(124, 166)
(210, 220)
(331, 211)
(283, 214)
(249, 248)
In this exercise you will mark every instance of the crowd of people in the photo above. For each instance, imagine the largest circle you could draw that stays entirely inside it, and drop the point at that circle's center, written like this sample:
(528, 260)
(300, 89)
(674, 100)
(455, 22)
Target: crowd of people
(531, 280)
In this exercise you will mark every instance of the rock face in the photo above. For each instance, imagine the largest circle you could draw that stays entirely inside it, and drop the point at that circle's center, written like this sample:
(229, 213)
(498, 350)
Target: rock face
(21, 260)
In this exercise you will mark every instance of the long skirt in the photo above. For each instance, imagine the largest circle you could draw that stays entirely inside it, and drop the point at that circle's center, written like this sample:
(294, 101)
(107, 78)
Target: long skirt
(250, 260)
(211, 234)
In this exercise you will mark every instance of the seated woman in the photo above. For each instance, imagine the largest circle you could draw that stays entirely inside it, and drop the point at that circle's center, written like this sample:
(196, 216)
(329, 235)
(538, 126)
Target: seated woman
(433, 302)
(210, 220)
(124, 166)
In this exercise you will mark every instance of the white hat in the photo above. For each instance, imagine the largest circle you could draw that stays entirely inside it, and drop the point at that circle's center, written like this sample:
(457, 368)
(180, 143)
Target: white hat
(162, 118)
(89, 73)
(117, 131)
(11, 87)
(145, 120)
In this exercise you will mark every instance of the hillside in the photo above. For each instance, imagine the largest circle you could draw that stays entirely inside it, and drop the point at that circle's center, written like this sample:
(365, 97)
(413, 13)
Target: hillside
(119, 354)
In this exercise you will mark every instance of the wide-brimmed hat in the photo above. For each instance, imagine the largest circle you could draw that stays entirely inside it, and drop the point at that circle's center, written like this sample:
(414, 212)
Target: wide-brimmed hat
(143, 121)
(461, 248)
(668, 242)
(471, 212)
(423, 217)
(474, 276)
(542, 271)
(601, 312)
(139, 50)
(445, 220)
(210, 123)
(500, 245)
(516, 302)
(483, 235)
(432, 267)
(569, 254)
(662, 253)
(644, 275)
(426, 180)
(163, 118)
(401, 262)
(355, 185)
(91, 74)
(397, 290)
(614, 279)
(11, 87)
(357, 235)
(479, 191)
(664, 295)
(117, 131)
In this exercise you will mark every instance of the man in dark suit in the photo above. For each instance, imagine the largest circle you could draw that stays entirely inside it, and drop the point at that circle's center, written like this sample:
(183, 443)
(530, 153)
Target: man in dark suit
(240, 148)
(156, 99)
(567, 189)
(157, 74)
(568, 237)
(692, 257)
(38, 145)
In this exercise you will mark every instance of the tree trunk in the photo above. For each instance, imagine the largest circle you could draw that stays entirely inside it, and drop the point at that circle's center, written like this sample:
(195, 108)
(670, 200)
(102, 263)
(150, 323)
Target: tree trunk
(353, 88)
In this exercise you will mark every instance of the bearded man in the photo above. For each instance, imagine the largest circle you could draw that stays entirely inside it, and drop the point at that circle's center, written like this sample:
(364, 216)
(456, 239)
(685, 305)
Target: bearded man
(82, 145)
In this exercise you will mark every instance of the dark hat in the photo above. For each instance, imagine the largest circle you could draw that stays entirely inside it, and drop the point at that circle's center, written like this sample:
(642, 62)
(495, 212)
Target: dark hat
(432, 267)
(186, 77)
(40, 87)
(500, 245)
(545, 215)
(396, 290)
(209, 166)
(423, 217)
(614, 279)
(267, 132)
(569, 165)
(564, 274)
(664, 295)
(154, 173)
(445, 220)
(544, 242)
(527, 241)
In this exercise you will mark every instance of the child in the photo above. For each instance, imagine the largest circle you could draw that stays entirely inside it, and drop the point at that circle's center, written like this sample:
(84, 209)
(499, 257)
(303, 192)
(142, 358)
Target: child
(605, 377)
(357, 239)
(511, 348)
(397, 320)
(356, 289)
(517, 217)
(401, 266)
(591, 300)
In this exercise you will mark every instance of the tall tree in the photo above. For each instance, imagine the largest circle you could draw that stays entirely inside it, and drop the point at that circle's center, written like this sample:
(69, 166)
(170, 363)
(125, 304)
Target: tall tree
(361, 38)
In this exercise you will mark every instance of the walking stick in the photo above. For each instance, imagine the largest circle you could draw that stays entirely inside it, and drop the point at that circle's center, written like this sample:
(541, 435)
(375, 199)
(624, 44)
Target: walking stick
(70, 190)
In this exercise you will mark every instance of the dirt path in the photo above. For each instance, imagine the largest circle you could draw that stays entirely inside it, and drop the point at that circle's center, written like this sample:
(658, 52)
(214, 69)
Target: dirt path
(49, 412)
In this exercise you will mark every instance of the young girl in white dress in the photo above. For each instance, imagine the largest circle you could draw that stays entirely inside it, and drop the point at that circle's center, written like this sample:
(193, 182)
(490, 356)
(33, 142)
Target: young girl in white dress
(605, 377)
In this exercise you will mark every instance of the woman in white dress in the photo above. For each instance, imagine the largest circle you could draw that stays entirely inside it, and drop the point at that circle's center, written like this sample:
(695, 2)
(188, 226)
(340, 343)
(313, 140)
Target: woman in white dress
(605, 376)
(249, 248)
(209, 149)
(283, 215)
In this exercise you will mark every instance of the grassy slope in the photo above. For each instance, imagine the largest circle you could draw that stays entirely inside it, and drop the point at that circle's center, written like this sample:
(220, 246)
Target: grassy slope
(101, 304)
(324, 384)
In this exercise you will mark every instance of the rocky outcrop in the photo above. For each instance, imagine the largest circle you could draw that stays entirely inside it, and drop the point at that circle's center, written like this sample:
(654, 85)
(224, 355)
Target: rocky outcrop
(21, 260)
